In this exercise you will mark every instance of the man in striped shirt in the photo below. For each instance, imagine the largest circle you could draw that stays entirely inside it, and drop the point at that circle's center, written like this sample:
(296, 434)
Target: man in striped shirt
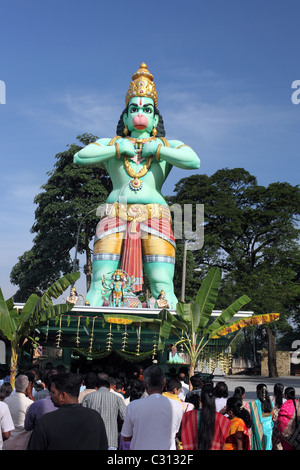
(111, 408)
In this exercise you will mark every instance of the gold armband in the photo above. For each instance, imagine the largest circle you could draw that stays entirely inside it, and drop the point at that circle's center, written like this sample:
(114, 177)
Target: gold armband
(183, 145)
(118, 153)
(158, 152)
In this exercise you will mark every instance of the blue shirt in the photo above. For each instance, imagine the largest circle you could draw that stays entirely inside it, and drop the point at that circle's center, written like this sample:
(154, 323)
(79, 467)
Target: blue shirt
(37, 410)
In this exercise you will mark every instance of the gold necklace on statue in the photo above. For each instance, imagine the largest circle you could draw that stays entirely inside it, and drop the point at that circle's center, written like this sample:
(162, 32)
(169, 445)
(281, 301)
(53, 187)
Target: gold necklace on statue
(136, 184)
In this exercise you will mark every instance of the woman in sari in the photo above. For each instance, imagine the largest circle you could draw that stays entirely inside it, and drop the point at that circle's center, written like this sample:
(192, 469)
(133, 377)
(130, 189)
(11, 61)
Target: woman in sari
(240, 393)
(238, 437)
(205, 428)
(288, 417)
(261, 413)
(278, 400)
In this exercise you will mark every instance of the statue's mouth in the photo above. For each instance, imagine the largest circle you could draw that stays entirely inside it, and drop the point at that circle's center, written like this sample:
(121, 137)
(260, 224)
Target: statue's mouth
(140, 122)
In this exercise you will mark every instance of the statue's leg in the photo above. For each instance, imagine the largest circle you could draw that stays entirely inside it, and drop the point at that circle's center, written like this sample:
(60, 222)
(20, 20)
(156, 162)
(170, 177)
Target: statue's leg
(159, 265)
(161, 276)
(106, 259)
(100, 267)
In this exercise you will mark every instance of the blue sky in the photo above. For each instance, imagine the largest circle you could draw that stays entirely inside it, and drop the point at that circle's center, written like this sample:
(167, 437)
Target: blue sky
(223, 70)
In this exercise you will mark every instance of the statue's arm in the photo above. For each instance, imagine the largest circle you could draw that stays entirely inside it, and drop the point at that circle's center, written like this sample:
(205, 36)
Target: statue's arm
(103, 150)
(95, 152)
(180, 155)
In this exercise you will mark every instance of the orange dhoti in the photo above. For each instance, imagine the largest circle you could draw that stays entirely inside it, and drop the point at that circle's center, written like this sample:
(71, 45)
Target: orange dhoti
(134, 234)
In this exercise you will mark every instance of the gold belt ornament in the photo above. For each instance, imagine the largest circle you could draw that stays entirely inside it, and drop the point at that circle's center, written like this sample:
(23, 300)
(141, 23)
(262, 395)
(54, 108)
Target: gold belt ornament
(137, 213)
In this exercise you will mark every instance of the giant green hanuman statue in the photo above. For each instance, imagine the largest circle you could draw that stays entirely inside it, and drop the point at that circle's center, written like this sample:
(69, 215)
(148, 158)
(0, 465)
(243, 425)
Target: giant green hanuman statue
(134, 233)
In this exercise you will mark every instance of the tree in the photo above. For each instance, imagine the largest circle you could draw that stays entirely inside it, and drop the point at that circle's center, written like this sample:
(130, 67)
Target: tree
(70, 194)
(17, 326)
(251, 233)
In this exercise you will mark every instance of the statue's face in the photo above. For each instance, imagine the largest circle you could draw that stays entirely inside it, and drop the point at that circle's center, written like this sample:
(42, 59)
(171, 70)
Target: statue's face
(140, 117)
(117, 277)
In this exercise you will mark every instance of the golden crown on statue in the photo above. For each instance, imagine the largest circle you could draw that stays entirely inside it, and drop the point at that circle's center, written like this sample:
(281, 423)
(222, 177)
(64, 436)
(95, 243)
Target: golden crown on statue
(142, 85)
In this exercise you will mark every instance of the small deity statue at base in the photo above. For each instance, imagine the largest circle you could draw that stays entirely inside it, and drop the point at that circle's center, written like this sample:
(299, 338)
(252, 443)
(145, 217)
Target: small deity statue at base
(118, 288)
(73, 298)
(162, 302)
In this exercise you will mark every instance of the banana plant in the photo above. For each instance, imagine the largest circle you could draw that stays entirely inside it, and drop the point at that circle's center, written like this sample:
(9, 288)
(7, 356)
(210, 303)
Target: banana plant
(193, 325)
(17, 325)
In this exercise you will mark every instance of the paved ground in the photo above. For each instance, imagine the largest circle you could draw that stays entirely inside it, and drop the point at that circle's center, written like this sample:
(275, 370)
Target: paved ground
(249, 383)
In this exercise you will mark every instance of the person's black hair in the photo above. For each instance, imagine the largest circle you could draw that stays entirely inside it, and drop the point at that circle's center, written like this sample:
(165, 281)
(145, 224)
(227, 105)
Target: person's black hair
(264, 398)
(112, 381)
(278, 394)
(173, 383)
(31, 376)
(136, 393)
(290, 394)
(135, 389)
(235, 404)
(67, 382)
(103, 383)
(206, 427)
(160, 125)
(239, 392)
(221, 390)
(5, 390)
(48, 377)
(90, 380)
(196, 381)
(119, 382)
(193, 398)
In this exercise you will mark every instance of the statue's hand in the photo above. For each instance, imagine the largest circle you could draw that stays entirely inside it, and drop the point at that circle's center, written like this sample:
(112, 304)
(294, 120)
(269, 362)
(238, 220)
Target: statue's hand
(126, 147)
(149, 148)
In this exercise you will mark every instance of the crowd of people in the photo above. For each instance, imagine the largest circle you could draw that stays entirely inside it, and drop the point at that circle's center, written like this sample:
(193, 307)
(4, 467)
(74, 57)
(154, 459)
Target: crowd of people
(54, 409)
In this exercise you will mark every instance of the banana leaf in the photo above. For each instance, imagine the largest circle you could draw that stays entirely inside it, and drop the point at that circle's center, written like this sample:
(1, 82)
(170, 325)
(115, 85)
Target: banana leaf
(8, 319)
(28, 310)
(166, 319)
(227, 314)
(207, 295)
(34, 320)
(34, 309)
(57, 289)
(189, 313)
(244, 322)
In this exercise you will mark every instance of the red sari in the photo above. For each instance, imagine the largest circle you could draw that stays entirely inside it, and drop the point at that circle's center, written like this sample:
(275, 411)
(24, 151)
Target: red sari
(189, 431)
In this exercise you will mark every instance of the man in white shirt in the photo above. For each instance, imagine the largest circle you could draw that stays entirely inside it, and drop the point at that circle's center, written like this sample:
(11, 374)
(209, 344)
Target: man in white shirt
(6, 423)
(18, 404)
(182, 374)
(151, 423)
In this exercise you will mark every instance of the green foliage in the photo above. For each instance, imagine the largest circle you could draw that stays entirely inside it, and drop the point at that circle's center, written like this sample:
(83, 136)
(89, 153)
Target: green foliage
(69, 194)
(251, 232)
(36, 311)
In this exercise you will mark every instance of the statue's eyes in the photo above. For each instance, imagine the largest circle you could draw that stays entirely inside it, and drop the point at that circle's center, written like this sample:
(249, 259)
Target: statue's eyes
(134, 109)
(148, 110)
